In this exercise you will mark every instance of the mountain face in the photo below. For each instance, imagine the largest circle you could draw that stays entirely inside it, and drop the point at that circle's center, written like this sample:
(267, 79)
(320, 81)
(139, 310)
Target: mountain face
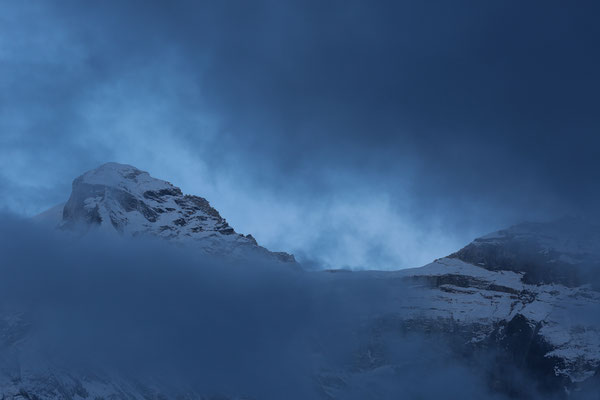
(525, 299)
(519, 293)
(564, 252)
(122, 199)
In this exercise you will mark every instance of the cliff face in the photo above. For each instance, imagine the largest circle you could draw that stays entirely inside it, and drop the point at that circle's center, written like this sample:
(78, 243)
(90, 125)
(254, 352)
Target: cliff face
(122, 199)
(527, 294)
(563, 252)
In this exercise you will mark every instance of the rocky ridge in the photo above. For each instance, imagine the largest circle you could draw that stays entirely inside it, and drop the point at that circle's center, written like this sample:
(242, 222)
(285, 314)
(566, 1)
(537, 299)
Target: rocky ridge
(526, 293)
(123, 199)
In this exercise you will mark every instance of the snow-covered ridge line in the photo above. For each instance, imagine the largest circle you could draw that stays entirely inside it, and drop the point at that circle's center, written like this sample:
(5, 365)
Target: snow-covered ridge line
(123, 199)
(522, 271)
(566, 251)
(513, 276)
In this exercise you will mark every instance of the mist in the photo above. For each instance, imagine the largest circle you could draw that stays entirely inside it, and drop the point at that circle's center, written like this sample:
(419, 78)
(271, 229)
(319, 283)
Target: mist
(358, 136)
(352, 134)
(184, 323)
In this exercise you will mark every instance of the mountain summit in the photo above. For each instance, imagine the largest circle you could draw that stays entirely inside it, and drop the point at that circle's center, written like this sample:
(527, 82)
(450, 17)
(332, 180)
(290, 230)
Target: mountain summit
(123, 199)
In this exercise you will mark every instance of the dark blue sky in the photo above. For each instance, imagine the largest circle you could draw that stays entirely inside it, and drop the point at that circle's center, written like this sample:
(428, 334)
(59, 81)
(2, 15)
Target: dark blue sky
(377, 134)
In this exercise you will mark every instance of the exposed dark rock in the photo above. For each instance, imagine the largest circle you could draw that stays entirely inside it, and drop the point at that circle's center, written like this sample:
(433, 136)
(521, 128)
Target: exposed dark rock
(251, 239)
(519, 345)
(463, 281)
(285, 257)
(180, 222)
(174, 191)
(160, 194)
(152, 195)
(519, 367)
(564, 251)
(133, 174)
(537, 266)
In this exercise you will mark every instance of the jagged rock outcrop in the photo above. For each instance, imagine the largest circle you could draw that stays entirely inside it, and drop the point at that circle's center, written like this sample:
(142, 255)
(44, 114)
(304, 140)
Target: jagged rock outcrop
(121, 198)
(564, 252)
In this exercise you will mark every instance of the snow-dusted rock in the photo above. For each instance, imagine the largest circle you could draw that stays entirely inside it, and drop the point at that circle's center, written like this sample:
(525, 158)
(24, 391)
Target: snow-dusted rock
(564, 317)
(566, 251)
(520, 291)
(121, 198)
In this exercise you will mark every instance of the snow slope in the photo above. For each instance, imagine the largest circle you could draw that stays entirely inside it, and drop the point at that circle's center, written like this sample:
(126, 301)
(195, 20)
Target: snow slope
(122, 199)
(529, 278)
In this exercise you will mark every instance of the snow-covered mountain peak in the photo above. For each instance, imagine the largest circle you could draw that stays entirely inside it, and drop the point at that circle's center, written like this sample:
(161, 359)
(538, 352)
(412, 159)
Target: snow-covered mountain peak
(567, 235)
(563, 251)
(125, 177)
(121, 198)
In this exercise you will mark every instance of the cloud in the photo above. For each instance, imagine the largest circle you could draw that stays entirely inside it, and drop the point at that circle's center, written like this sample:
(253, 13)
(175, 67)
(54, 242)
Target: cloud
(170, 316)
(460, 125)
(179, 321)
